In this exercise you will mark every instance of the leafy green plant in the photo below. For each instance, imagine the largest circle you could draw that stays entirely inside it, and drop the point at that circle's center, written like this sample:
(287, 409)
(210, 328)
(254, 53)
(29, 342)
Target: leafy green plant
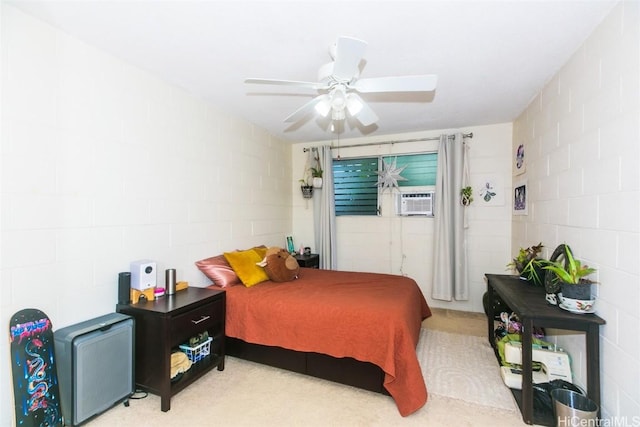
(529, 265)
(571, 270)
(525, 256)
(316, 172)
(466, 195)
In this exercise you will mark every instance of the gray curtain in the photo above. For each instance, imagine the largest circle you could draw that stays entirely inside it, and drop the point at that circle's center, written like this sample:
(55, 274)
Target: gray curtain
(450, 276)
(325, 213)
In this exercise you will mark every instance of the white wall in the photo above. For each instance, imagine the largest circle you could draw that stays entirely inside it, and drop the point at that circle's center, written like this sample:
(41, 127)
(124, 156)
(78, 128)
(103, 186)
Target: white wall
(404, 245)
(103, 164)
(582, 145)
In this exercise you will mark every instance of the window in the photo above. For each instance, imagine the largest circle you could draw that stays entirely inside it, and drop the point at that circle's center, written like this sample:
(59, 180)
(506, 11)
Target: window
(356, 192)
(420, 168)
(354, 185)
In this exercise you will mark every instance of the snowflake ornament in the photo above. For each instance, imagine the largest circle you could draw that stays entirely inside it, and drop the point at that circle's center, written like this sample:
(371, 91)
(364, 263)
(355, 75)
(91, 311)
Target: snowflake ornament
(389, 176)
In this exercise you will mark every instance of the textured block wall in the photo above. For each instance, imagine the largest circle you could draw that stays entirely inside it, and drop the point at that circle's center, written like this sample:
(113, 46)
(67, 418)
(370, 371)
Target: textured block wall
(582, 145)
(103, 164)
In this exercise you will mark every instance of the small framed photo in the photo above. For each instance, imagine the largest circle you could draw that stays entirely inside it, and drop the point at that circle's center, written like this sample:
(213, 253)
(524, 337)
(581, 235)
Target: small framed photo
(520, 200)
(520, 164)
(290, 246)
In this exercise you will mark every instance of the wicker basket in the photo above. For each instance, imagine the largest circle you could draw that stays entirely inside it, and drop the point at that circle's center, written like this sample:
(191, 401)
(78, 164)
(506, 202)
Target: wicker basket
(199, 352)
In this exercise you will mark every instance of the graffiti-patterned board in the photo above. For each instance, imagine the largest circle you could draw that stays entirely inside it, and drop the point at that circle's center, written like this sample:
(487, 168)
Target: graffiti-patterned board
(35, 382)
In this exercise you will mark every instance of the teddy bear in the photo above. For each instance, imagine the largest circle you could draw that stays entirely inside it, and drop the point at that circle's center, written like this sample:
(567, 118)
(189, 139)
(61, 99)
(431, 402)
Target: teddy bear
(280, 265)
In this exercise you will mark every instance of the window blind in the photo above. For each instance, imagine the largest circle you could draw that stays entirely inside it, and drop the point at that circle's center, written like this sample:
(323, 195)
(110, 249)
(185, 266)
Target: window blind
(356, 192)
(420, 168)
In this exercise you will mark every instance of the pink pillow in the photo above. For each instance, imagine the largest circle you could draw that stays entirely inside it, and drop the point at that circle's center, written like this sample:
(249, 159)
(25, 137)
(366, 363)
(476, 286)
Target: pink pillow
(219, 271)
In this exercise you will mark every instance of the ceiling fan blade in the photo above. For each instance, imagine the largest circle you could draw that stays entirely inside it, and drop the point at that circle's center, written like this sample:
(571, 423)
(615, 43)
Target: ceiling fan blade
(366, 116)
(306, 109)
(360, 110)
(423, 83)
(309, 85)
(349, 53)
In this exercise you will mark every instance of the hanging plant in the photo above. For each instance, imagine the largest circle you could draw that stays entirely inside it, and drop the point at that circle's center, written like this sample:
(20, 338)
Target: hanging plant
(316, 173)
(307, 191)
(306, 181)
(466, 196)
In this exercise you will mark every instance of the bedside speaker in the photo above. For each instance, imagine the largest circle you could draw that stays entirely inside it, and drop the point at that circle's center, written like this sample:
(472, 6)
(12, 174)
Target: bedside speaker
(124, 288)
(143, 274)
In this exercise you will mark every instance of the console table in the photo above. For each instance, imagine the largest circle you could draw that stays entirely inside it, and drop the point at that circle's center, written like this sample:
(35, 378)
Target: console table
(528, 302)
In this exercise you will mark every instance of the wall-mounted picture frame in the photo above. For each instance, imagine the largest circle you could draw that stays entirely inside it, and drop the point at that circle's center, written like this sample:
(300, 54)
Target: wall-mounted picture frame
(520, 164)
(290, 246)
(520, 198)
(489, 190)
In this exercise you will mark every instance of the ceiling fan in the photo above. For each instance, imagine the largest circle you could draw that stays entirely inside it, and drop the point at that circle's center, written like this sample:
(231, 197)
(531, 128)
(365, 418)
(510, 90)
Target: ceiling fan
(339, 84)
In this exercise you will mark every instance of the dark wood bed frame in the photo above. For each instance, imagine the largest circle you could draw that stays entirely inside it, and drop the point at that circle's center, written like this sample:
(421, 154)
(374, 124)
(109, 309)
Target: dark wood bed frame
(344, 370)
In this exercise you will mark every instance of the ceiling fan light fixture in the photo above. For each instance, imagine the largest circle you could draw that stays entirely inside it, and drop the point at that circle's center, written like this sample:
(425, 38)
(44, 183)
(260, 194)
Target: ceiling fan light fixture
(338, 98)
(354, 106)
(338, 114)
(323, 107)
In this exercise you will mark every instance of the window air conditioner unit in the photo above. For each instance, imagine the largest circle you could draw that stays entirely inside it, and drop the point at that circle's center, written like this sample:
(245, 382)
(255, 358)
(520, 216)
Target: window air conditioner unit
(415, 203)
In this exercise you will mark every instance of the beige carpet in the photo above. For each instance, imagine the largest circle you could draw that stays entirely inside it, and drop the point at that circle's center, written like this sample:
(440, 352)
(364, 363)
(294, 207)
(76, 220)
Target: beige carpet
(249, 394)
(463, 367)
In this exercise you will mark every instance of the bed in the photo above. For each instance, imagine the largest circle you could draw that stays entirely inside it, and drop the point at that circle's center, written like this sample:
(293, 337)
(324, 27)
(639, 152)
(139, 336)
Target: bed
(355, 328)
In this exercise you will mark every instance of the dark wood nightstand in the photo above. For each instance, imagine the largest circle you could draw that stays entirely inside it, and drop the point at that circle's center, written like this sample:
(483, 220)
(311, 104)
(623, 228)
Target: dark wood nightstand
(308, 261)
(165, 323)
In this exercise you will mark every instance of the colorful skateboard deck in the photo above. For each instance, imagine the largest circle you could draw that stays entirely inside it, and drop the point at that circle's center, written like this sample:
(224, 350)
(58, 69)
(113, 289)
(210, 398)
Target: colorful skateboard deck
(35, 381)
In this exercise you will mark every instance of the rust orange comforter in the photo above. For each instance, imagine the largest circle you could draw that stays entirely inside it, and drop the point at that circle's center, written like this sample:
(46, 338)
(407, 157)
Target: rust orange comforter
(367, 316)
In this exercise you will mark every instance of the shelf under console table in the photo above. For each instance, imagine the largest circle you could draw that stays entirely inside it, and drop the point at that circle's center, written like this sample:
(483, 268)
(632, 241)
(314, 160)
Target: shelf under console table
(529, 304)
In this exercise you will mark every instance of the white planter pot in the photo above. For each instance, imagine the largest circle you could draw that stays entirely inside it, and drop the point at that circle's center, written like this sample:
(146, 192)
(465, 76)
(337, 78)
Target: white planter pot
(317, 182)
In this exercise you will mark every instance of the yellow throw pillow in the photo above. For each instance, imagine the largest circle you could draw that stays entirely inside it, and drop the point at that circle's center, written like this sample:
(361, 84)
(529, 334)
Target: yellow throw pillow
(244, 264)
(261, 250)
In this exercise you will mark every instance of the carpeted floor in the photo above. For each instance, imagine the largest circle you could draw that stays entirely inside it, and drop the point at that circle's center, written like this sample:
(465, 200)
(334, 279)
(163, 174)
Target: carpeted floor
(459, 322)
(250, 394)
(463, 367)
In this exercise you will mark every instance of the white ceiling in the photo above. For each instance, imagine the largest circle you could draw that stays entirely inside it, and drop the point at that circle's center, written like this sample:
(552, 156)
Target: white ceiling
(491, 57)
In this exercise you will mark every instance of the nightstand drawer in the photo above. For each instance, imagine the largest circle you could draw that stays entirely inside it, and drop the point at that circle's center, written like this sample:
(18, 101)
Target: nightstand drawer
(196, 320)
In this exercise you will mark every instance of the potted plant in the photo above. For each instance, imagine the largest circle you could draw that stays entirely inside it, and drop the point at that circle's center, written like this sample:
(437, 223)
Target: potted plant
(529, 266)
(571, 275)
(316, 174)
(307, 190)
(466, 196)
(305, 183)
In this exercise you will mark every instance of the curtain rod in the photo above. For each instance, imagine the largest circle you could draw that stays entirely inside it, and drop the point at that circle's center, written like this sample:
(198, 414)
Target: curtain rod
(435, 138)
